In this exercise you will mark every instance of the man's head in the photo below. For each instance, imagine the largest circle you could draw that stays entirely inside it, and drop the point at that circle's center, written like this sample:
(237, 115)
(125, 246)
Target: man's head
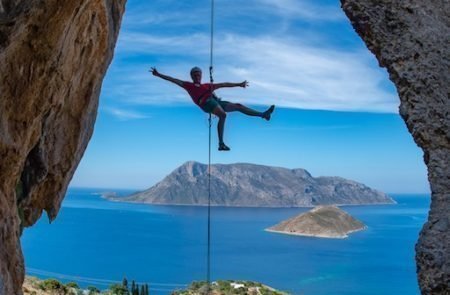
(196, 74)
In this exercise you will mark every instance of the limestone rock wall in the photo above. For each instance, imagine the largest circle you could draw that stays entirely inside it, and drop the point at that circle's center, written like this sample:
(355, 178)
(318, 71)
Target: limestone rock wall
(53, 57)
(411, 38)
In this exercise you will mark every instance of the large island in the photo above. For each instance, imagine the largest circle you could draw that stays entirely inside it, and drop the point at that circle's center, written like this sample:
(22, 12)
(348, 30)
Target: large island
(253, 185)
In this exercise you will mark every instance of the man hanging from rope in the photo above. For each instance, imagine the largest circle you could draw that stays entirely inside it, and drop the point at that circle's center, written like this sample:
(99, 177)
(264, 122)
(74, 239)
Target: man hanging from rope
(203, 96)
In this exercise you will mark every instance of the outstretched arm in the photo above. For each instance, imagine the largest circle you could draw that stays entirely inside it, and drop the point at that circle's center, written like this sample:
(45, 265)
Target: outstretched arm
(227, 84)
(165, 77)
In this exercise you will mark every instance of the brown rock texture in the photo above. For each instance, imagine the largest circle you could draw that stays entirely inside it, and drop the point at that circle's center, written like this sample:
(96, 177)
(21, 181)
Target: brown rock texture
(411, 39)
(321, 222)
(53, 57)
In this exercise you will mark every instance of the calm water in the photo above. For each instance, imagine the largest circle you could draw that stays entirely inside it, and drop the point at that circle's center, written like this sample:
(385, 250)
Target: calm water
(96, 242)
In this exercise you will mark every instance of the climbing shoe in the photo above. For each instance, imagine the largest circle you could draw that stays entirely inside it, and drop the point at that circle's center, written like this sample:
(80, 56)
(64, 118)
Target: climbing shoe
(266, 115)
(223, 147)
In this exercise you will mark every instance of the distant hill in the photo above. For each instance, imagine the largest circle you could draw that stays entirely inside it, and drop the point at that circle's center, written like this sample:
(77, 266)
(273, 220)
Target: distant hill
(254, 186)
(322, 221)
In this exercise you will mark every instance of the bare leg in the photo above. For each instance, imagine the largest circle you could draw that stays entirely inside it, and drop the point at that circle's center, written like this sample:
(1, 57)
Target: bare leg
(222, 115)
(231, 107)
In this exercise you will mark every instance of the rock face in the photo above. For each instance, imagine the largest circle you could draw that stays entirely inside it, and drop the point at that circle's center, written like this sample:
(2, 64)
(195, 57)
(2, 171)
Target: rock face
(255, 185)
(322, 222)
(53, 57)
(411, 39)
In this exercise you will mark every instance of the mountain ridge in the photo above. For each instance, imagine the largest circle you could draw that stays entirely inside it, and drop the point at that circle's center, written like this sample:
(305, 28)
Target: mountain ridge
(254, 185)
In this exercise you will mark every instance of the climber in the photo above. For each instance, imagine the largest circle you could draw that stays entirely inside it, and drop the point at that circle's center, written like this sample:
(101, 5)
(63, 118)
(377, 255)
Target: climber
(203, 95)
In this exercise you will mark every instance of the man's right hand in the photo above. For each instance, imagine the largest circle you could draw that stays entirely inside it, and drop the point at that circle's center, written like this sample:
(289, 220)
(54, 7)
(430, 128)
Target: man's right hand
(154, 71)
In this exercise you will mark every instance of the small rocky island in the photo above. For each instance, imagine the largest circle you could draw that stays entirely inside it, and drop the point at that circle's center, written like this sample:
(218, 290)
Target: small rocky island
(252, 185)
(322, 222)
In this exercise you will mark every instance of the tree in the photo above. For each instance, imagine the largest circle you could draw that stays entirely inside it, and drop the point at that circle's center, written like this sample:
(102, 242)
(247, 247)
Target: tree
(72, 285)
(118, 289)
(125, 283)
(93, 290)
(52, 285)
(133, 287)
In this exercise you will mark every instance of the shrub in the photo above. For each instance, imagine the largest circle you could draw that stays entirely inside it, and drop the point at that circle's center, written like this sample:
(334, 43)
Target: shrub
(52, 285)
(93, 290)
(196, 285)
(72, 285)
(118, 289)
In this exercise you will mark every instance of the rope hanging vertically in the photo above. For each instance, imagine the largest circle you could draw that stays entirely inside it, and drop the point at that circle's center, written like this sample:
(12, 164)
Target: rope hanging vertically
(208, 259)
(211, 80)
(211, 45)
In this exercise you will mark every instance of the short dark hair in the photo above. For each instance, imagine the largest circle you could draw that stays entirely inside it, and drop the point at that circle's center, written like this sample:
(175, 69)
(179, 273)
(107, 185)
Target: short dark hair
(194, 70)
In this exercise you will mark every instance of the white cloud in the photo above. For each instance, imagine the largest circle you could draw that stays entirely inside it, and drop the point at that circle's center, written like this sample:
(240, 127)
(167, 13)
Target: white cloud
(125, 115)
(314, 128)
(305, 10)
(281, 71)
(298, 75)
(163, 45)
(289, 71)
(139, 18)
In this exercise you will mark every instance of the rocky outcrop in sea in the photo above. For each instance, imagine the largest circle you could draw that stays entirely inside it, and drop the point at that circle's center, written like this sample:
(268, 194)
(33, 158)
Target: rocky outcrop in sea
(321, 222)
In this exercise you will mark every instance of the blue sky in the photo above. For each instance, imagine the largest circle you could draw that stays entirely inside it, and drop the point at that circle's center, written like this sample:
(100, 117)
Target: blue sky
(336, 109)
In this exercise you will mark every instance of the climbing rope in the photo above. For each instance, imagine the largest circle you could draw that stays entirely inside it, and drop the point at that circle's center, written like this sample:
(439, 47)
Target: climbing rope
(211, 80)
(211, 44)
(208, 259)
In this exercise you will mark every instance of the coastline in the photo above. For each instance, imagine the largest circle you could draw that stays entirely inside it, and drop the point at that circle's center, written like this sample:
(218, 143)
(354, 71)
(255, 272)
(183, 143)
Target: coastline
(117, 199)
(313, 235)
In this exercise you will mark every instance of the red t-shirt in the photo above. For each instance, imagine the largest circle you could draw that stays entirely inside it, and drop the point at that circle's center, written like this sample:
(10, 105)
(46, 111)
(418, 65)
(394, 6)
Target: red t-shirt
(199, 92)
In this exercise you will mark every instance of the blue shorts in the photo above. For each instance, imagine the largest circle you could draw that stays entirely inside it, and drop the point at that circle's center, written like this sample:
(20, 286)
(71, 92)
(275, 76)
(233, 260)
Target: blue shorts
(211, 103)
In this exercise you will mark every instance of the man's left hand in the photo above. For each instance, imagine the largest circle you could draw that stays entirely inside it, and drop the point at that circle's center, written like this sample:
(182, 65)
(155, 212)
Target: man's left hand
(243, 84)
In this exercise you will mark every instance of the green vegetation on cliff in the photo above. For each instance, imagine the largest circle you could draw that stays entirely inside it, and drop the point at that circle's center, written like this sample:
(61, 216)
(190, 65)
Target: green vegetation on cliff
(35, 286)
(229, 288)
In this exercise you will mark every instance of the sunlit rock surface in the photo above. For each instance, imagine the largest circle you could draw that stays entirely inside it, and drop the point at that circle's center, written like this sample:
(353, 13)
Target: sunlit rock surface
(53, 57)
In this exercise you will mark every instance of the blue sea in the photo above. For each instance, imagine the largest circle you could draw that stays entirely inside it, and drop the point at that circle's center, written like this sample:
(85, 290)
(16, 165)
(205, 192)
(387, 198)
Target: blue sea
(95, 242)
